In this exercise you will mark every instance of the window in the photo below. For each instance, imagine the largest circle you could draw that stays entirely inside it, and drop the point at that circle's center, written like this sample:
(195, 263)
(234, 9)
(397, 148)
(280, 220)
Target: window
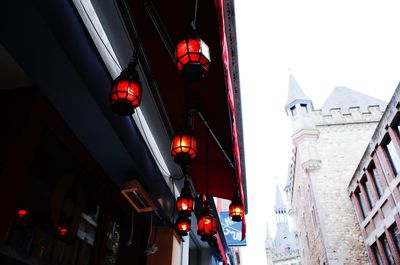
(393, 156)
(362, 204)
(293, 111)
(386, 248)
(369, 193)
(394, 231)
(304, 108)
(378, 181)
(378, 256)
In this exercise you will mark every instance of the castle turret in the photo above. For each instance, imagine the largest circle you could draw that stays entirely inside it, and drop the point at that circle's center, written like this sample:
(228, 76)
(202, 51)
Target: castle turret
(284, 239)
(305, 135)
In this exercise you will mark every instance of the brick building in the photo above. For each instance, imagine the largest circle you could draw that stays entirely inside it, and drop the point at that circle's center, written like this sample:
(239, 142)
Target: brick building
(374, 189)
(328, 144)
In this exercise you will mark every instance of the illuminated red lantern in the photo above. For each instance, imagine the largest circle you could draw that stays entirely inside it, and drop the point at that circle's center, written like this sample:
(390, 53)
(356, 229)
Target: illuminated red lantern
(192, 59)
(126, 92)
(182, 225)
(183, 148)
(62, 230)
(22, 213)
(236, 210)
(206, 224)
(185, 201)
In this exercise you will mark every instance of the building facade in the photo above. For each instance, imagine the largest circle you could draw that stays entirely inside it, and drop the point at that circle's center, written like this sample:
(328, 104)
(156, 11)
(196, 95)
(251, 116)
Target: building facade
(374, 189)
(327, 146)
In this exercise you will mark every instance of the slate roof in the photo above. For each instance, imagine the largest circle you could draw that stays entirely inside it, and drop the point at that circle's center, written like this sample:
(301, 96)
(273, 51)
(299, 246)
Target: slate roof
(344, 98)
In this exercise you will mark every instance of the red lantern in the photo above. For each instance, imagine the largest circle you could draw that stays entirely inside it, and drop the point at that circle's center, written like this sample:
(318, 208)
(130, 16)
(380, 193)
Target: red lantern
(192, 59)
(184, 203)
(126, 92)
(206, 224)
(22, 213)
(182, 225)
(62, 230)
(184, 148)
(236, 210)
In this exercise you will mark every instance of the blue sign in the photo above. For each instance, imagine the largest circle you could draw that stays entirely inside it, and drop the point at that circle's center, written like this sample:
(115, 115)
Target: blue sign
(232, 230)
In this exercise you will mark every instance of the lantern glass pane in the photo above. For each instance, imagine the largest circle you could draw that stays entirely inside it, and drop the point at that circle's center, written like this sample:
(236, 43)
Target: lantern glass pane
(194, 57)
(182, 49)
(205, 50)
(194, 45)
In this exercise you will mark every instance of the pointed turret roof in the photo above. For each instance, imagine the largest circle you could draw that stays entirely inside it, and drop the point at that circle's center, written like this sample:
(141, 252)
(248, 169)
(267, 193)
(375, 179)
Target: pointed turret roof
(295, 94)
(345, 98)
(279, 204)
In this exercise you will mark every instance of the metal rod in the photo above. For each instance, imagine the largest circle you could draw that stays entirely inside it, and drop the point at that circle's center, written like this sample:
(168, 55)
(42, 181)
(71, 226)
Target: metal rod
(215, 138)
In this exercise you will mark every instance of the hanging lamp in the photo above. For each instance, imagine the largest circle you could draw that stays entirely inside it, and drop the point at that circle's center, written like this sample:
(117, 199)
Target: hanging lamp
(185, 201)
(193, 55)
(126, 91)
(183, 225)
(184, 148)
(236, 210)
(206, 224)
(184, 145)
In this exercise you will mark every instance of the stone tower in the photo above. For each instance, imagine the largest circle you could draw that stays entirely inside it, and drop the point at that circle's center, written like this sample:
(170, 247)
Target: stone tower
(328, 145)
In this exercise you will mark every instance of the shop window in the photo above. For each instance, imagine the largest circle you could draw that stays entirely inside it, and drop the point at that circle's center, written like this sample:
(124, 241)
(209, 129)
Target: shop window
(394, 157)
(377, 178)
(57, 216)
(378, 256)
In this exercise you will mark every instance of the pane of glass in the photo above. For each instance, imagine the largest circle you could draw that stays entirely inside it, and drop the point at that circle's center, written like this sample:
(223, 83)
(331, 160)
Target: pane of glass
(304, 107)
(362, 203)
(396, 236)
(377, 254)
(393, 156)
(369, 193)
(387, 250)
(378, 180)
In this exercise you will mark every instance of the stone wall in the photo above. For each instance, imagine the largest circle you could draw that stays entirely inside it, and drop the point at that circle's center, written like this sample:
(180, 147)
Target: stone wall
(327, 154)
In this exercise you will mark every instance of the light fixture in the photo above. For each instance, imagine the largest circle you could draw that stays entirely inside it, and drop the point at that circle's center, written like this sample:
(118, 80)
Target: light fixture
(192, 58)
(184, 203)
(126, 92)
(236, 210)
(22, 213)
(193, 55)
(182, 225)
(184, 148)
(62, 230)
(206, 224)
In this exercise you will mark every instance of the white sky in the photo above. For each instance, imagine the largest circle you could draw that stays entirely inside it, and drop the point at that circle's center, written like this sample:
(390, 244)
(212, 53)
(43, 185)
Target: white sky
(352, 43)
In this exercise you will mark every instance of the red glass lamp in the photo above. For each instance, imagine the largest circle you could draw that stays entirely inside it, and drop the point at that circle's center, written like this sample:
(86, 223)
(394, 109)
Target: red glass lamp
(206, 224)
(236, 210)
(126, 92)
(22, 213)
(62, 230)
(192, 59)
(182, 225)
(185, 201)
(183, 148)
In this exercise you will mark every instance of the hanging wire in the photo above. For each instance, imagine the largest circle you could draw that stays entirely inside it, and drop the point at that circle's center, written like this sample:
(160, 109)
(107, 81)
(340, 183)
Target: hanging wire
(195, 15)
(151, 229)
(129, 243)
(206, 163)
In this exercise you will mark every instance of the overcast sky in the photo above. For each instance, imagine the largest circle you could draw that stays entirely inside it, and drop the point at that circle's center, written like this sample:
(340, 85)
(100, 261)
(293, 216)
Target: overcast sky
(352, 43)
